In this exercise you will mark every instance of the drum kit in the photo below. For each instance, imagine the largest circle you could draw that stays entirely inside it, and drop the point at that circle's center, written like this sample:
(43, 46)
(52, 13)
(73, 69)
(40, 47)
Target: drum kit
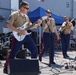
(5, 40)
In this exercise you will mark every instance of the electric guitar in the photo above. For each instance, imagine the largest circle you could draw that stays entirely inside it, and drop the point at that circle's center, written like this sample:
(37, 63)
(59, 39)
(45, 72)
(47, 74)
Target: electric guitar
(23, 27)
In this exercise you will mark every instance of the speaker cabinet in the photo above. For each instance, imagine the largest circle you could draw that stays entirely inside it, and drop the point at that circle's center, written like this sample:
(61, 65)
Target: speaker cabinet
(21, 54)
(23, 67)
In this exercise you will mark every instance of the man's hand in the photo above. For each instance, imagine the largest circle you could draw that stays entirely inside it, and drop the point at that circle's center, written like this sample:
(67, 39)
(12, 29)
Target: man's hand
(38, 24)
(69, 24)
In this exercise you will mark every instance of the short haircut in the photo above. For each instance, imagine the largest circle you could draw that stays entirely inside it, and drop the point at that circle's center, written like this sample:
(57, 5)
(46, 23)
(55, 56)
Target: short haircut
(49, 11)
(65, 17)
(24, 3)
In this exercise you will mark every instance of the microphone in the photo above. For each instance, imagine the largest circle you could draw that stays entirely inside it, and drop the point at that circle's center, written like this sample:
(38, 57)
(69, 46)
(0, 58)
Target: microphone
(50, 16)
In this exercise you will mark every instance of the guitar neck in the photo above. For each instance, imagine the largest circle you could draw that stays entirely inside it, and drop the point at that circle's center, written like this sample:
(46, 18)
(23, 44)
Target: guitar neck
(72, 20)
(28, 28)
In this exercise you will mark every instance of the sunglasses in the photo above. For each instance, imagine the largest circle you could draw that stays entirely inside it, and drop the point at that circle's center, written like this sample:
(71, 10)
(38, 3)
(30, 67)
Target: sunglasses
(26, 8)
(66, 19)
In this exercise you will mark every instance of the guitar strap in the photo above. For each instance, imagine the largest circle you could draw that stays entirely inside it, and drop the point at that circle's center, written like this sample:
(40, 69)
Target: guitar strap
(48, 26)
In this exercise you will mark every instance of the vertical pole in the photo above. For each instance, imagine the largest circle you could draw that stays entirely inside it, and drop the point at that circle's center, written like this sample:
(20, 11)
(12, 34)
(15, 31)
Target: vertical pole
(20, 2)
(72, 1)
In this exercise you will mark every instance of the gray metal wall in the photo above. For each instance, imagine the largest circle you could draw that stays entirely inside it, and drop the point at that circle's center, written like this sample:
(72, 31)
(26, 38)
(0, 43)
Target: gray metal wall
(58, 7)
(5, 10)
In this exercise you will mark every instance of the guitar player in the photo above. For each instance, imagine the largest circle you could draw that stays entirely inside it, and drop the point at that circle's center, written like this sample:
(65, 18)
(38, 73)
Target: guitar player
(17, 19)
(65, 30)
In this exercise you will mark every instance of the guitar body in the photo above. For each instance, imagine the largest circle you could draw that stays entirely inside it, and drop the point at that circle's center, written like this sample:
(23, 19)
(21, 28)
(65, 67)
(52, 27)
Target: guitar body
(21, 37)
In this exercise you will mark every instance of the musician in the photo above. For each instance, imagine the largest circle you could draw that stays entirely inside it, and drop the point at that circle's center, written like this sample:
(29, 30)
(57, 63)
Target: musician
(49, 33)
(17, 19)
(65, 31)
